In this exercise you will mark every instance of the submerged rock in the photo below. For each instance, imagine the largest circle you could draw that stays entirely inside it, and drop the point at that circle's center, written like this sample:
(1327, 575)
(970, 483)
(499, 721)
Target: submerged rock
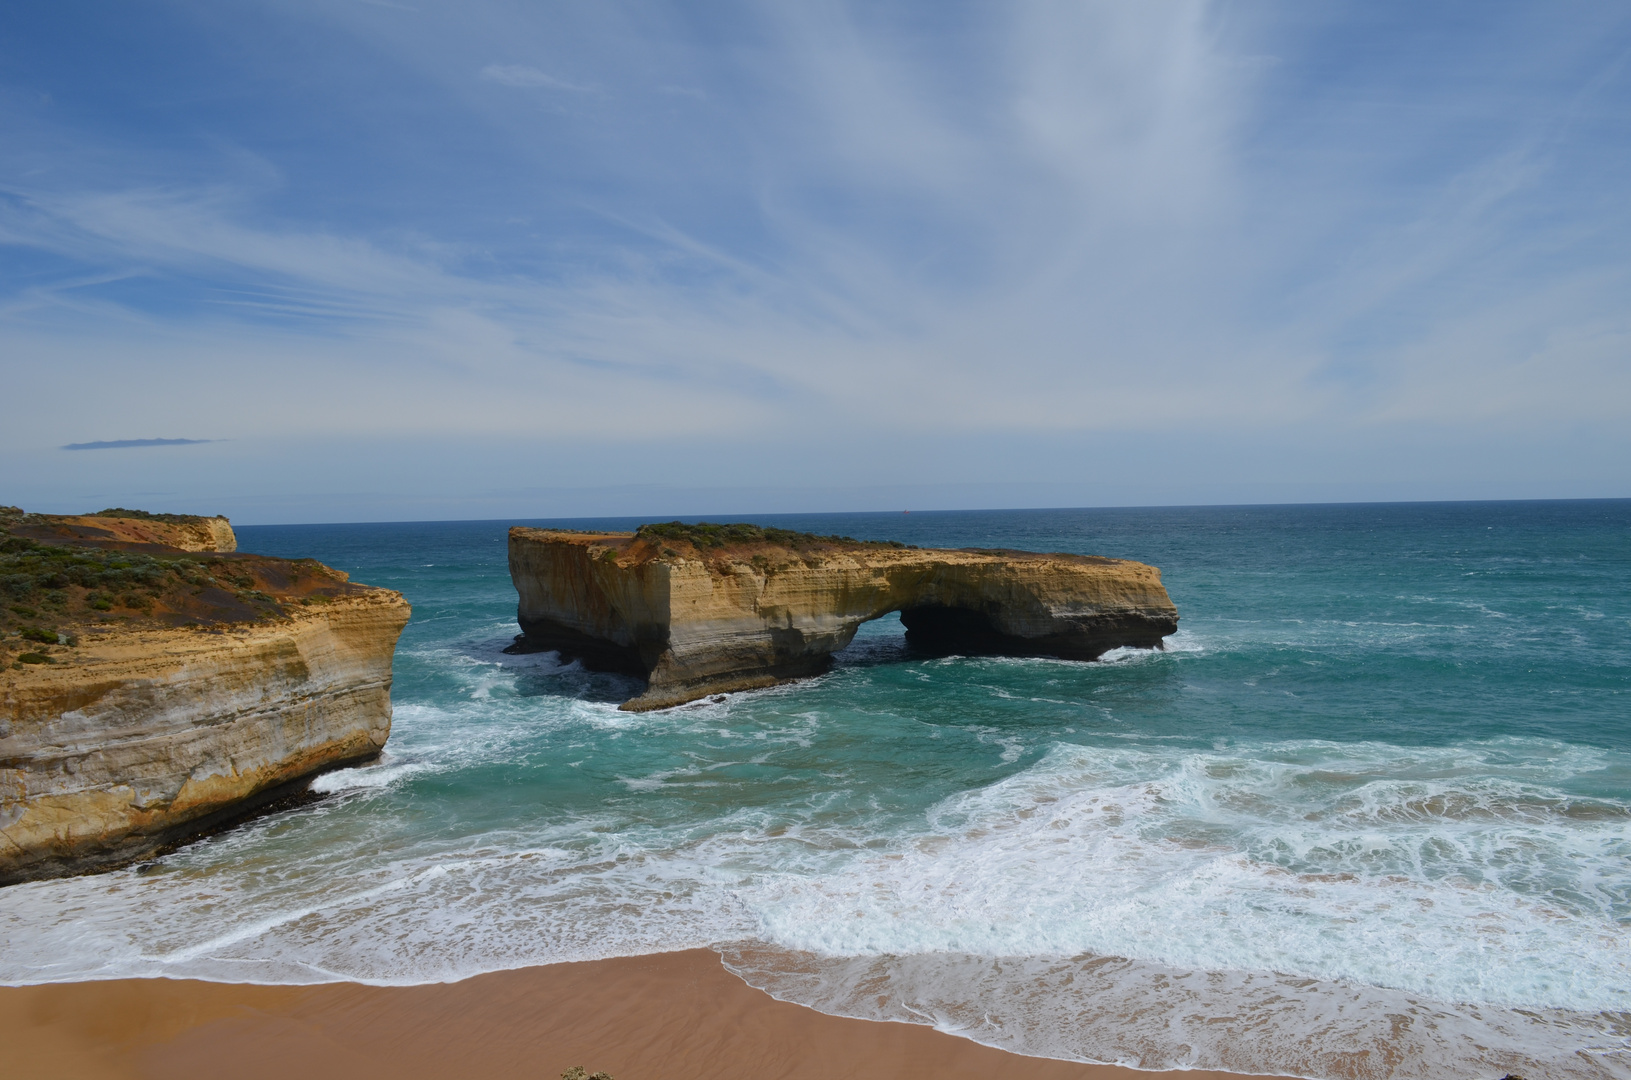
(698, 610)
(165, 690)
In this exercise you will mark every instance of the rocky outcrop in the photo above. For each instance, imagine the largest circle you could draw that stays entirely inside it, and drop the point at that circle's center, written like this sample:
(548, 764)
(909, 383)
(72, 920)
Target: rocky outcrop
(697, 613)
(215, 685)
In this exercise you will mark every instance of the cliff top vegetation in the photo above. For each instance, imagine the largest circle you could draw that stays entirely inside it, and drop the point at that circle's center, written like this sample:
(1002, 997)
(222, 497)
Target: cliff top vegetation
(144, 515)
(54, 590)
(708, 534)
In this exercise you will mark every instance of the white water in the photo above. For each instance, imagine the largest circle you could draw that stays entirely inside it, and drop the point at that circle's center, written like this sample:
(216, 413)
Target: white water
(1305, 906)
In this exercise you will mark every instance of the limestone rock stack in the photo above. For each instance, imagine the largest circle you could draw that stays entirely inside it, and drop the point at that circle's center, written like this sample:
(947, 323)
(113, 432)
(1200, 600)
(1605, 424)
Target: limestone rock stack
(699, 612)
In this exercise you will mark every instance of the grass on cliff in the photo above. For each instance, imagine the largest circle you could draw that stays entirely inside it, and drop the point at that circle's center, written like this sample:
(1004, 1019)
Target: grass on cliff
(708, 534)
(49, 592)
(145, 515)
(30, 569)
(48, 587)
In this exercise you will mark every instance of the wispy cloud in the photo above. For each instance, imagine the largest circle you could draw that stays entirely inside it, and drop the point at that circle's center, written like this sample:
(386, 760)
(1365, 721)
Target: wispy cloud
(126, 444)
(1073, 218)
(523, 76)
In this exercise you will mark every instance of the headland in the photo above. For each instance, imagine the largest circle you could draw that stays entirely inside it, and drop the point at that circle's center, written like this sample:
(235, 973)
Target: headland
(155, 683)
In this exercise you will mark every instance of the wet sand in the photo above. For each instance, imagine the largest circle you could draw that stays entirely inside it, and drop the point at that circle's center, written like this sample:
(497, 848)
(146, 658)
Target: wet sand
(675, 1016)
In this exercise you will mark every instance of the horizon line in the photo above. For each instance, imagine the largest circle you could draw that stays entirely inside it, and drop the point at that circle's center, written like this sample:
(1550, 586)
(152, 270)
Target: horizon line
(731, 519)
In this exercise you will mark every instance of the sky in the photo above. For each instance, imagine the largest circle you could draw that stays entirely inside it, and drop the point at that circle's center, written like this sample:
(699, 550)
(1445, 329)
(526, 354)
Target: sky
(349, 260)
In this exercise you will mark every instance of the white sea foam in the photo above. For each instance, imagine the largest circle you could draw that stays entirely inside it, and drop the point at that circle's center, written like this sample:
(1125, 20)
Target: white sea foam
(1151, 1016)
(1317, 908)
(1332, 862)
(1182, 642)
(383, 773)
(1120, 901)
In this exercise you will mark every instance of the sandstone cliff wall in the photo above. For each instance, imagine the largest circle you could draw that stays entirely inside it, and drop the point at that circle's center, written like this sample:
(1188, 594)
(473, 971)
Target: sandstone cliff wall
(697, 621)
(143, 735)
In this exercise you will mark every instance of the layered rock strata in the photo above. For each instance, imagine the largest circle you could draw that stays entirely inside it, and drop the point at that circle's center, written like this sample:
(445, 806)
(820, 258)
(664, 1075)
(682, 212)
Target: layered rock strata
(220, 683)
(696, 618)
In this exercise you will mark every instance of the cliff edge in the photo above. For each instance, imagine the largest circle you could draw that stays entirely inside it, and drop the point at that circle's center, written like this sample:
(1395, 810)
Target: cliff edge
(700, 609)
(121, 527)
(150, 692)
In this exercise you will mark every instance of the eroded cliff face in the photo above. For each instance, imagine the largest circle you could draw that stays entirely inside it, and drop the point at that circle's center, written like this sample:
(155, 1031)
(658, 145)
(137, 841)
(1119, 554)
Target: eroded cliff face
(146, 734)
(697, 620)
(163, 692)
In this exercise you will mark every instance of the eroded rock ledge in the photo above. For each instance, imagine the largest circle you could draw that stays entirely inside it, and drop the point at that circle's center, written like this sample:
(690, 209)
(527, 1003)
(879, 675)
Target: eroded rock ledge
(698, 613)
(149, 691)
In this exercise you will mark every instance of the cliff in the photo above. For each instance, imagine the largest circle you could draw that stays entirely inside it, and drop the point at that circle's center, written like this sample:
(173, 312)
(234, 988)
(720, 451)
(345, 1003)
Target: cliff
(182, 532)
(148, 693)
(698, 610)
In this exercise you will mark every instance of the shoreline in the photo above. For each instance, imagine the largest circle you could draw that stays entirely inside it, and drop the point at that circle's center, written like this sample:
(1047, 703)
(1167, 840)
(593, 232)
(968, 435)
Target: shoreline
(666, 1016)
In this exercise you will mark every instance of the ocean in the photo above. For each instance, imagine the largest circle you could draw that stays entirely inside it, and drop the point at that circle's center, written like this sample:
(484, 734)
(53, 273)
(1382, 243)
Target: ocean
(1368, 815)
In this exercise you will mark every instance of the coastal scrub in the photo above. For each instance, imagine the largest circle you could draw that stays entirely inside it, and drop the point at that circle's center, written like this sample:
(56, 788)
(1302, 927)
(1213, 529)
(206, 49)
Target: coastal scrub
(56, 584)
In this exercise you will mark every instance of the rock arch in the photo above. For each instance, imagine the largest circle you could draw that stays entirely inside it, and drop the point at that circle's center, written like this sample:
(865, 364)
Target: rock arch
(701, 618)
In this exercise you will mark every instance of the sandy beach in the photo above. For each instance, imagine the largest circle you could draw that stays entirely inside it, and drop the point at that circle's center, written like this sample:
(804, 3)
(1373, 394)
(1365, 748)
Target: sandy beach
(674, 1016)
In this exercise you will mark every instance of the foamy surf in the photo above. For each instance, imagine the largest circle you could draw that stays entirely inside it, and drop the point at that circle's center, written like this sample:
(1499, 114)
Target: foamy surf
(1416, 869)
(1152, 1016)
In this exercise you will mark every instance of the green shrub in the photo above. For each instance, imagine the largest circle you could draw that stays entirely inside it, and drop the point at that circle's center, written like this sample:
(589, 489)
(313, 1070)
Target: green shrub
(708, 534)
(143, 515)
(28, 567)
(36, 578)
(35, 658)
(704, 534)
(34, 633)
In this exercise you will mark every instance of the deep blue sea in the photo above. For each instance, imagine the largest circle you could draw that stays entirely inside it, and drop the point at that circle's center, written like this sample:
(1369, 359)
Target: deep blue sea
(1368, 815)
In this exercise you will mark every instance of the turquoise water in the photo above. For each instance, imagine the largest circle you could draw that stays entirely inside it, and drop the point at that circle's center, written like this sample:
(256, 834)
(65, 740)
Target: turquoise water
(1369, 814)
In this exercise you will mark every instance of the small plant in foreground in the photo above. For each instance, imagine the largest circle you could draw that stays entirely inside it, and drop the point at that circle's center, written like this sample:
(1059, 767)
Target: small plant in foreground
(576, 1072)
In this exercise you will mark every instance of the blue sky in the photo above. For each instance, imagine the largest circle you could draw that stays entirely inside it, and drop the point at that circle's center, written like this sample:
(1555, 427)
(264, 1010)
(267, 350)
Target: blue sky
(424, 260)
